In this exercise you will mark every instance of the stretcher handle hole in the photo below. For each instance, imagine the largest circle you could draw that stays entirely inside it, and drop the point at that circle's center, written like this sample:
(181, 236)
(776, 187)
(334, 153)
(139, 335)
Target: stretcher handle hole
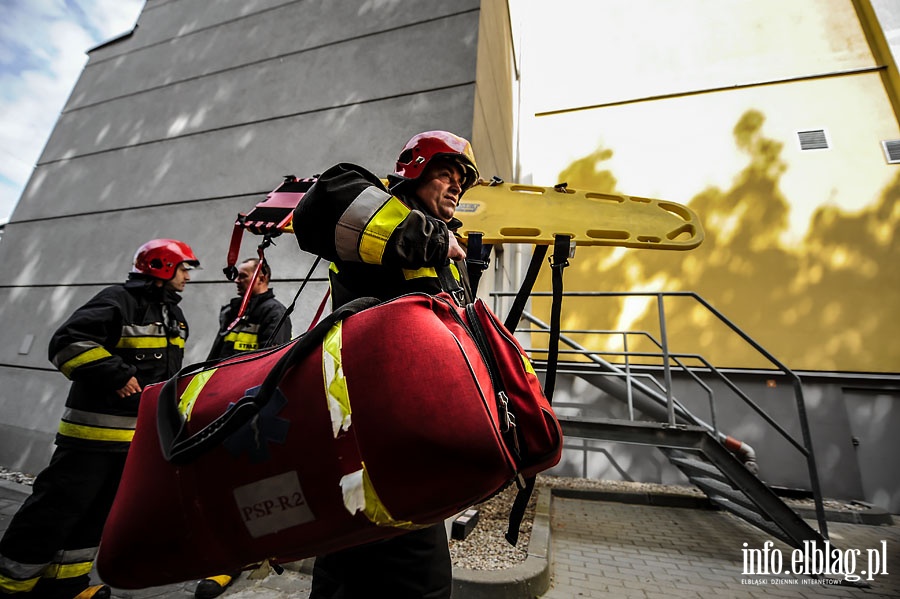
(520, 232)
(685, 232)
(607, 234)
(604, 197)
(676, 209)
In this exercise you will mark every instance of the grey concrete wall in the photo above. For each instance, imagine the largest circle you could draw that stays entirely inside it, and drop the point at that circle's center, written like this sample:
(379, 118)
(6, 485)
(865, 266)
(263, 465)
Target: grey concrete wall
(173, 130)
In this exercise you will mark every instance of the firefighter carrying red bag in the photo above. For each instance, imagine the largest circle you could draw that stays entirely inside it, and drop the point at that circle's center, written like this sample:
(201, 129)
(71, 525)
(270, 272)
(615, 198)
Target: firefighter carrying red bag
(353, 443)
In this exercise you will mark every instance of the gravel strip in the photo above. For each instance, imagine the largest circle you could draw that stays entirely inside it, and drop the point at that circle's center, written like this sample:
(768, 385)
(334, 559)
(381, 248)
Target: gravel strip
(486, 548)
(16, 477)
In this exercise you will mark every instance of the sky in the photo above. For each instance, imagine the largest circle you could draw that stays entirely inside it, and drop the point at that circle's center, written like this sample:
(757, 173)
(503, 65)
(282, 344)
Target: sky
(43, 49)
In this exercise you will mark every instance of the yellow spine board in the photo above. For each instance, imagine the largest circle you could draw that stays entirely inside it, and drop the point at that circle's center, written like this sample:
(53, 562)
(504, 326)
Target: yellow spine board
(513, 213)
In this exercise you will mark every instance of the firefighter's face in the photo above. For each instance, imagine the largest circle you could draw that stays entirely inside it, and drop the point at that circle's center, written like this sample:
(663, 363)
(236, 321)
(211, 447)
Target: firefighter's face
(439, 188)
(245, 275)
(181, 278)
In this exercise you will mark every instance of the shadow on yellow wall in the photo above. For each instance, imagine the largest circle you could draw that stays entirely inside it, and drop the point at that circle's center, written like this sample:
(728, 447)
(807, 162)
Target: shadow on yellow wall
(828, 304)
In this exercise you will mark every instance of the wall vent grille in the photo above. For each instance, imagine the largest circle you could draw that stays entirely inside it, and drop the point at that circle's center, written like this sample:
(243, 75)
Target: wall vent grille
(891, 150)
(813, 139)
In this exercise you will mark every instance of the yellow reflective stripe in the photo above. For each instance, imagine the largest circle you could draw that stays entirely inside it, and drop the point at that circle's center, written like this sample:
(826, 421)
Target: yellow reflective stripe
(192, 392)
(148, 342)
(94, 433)
(428, 272)
(67, 570)
(333, 268)
(91, 355)
(335, 384)
(376, 511)
(360, 496)
(528, 365)
(419, 273)
(97, 419)
(72, 351)
(10, 585)
(141, 342)
(373, 238)
(243, 341)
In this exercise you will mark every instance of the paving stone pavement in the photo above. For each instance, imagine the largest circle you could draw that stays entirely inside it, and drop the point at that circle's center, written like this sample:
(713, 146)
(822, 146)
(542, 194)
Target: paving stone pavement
(609, 549)
(606, 549)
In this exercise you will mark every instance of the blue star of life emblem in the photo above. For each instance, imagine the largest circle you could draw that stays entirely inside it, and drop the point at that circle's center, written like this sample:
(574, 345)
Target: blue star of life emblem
(254, 436)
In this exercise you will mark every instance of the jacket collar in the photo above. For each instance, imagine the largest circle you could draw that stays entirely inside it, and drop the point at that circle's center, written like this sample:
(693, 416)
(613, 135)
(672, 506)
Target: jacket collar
(254, 300)
(146, 286)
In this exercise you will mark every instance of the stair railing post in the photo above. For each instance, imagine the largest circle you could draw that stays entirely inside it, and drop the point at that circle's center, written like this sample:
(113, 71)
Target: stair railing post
(628, 376)
(584, 458)
(667, 371)
(810, 457)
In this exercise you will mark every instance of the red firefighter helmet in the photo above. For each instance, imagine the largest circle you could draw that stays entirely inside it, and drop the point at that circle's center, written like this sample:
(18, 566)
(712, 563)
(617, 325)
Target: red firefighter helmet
(422, 148)
(159, 258)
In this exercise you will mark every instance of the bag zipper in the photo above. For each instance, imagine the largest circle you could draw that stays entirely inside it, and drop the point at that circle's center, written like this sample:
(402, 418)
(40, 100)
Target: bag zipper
(507, 417)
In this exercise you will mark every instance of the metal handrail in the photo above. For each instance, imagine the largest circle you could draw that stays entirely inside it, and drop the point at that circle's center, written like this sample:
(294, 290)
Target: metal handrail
(594, 356)
(806, 449)
(676, 357)
(626, 354)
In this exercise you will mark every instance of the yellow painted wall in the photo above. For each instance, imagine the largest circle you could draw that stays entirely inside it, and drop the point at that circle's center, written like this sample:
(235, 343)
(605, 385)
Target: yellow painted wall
(701, 104)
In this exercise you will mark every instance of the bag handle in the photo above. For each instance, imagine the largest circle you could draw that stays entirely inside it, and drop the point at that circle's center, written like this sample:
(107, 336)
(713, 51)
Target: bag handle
(179, 447)
(453, 287)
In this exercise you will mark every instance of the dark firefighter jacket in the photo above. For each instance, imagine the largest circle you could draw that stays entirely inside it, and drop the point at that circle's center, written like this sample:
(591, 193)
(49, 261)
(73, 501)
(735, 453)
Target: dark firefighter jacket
(135, 329)
(380, 245)
(255, 328)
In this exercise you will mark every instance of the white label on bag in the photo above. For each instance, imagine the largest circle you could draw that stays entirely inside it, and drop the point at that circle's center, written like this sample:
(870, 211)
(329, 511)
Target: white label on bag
(272, 504)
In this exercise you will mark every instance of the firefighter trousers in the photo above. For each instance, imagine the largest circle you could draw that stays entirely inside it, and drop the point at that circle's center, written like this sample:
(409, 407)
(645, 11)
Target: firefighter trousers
(415, 565)
(48, 548)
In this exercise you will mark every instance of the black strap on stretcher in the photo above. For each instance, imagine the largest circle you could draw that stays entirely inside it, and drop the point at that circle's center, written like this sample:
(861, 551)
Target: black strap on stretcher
(478, 258)
(534, 268)
(558, 262)
(290, 308)
(478, 253)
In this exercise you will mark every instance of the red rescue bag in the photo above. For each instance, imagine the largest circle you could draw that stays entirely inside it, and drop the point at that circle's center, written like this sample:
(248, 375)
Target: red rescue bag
(381, 419)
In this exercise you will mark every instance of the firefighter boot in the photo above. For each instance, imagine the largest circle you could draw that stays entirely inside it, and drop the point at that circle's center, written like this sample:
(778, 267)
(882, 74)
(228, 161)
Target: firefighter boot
(98, 591)
(79, 587)
(214, 585)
